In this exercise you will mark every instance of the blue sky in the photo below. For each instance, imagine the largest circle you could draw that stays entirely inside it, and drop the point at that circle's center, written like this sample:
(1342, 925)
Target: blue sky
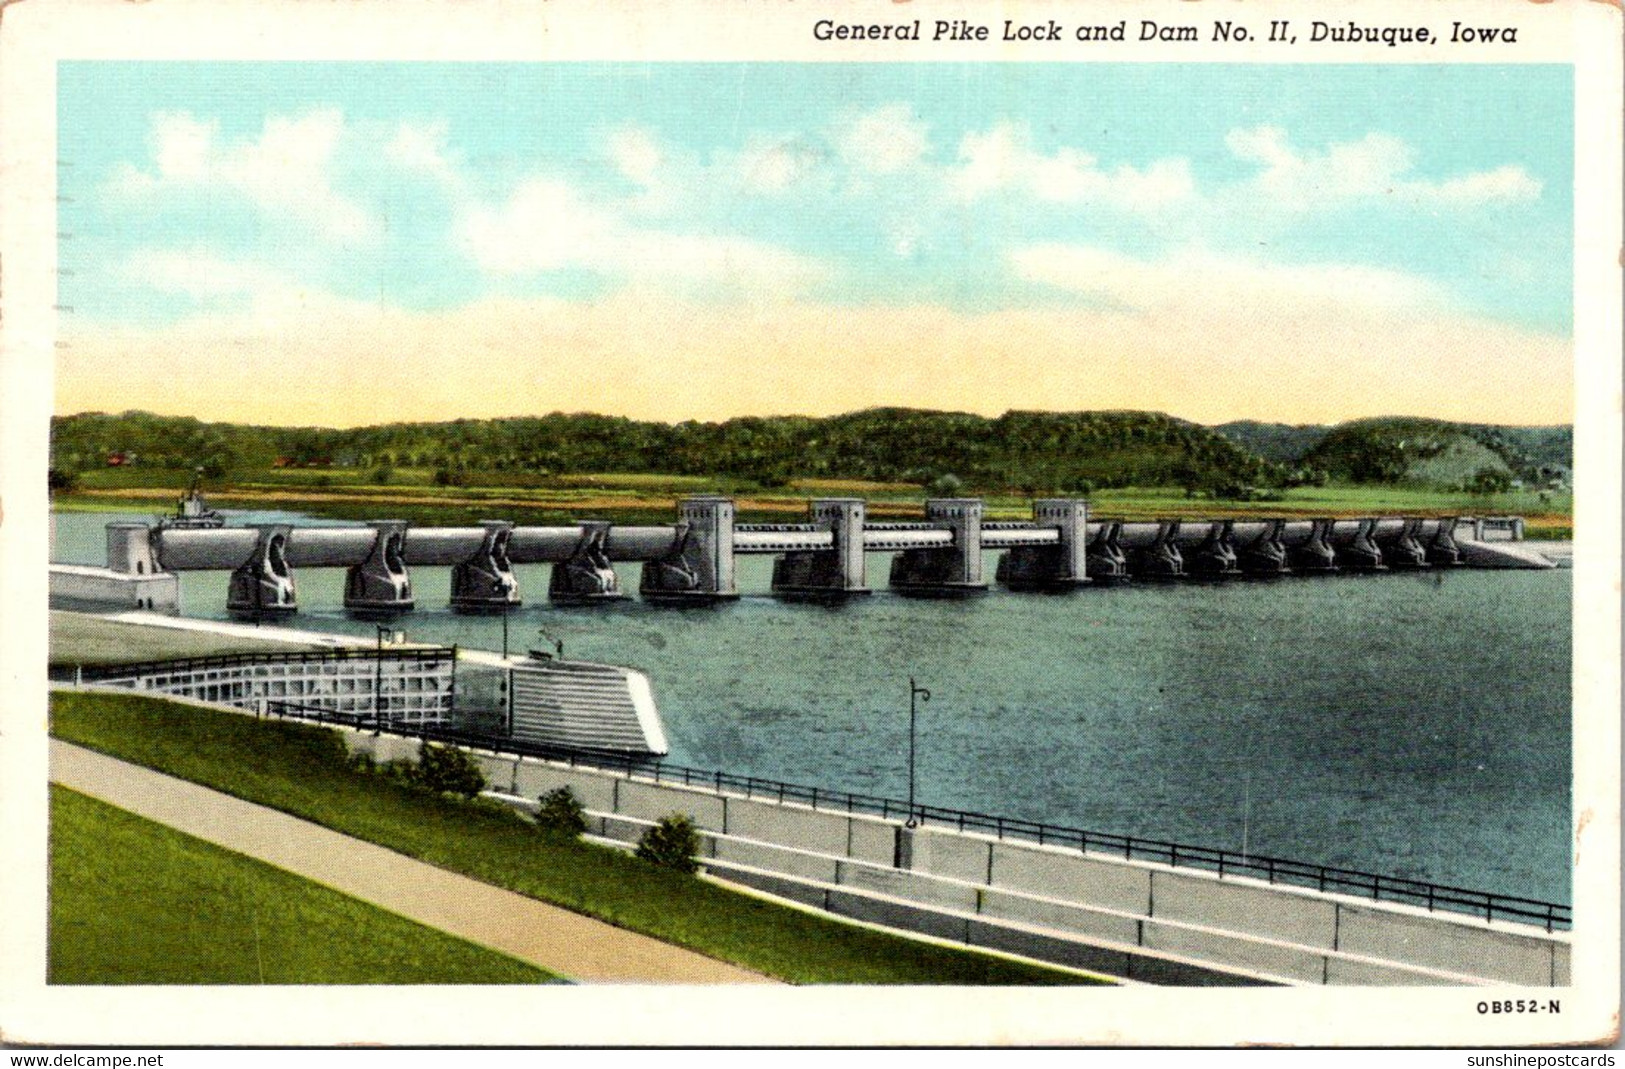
(1064, 207)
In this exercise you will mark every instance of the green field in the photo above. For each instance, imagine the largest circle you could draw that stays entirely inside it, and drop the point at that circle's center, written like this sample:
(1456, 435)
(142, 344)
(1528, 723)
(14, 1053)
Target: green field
(134, 902)
(347, 494)
(305, 771)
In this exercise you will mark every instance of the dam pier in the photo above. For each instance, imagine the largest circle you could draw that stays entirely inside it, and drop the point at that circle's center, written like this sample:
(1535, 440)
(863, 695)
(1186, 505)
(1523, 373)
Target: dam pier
(692, 561)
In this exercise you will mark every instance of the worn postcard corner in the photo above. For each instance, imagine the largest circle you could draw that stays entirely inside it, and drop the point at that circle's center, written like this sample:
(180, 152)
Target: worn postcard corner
(798, 524)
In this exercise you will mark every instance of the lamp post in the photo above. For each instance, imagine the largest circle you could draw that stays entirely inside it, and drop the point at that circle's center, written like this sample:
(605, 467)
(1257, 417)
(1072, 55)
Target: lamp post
(504, 634)
(378, 682)
(915, 691)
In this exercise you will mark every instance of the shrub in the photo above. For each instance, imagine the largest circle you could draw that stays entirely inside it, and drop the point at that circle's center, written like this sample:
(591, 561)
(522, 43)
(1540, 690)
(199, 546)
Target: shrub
(671, 844)
(448, 770)
(562, 814)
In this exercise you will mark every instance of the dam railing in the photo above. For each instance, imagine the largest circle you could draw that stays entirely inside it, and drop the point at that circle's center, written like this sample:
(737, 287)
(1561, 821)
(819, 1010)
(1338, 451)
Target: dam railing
(1433, 897)
(94, 673)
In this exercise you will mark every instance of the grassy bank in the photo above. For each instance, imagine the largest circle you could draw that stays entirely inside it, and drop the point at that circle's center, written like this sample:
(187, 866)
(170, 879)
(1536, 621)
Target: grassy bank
(652, 499)
(304, 770)
(134, 902)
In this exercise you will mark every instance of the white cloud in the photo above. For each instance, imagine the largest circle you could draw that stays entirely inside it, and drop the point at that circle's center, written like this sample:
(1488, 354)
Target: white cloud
(1377, 165)
(636, 155)
(1501, 184)
(1002, 158)
(884, 141)
(198, 273)
(422, 149)
(286, 170)
(543, 226)
(547, 226)
(1196, 281)
(772, 165)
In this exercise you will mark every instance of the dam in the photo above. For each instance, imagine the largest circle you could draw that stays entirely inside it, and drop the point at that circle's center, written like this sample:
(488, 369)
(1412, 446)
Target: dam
(1376, 721)
(692, 562)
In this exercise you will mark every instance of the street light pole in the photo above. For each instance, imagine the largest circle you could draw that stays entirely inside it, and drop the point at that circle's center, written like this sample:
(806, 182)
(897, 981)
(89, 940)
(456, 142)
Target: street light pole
(504, 634)
(914, 691)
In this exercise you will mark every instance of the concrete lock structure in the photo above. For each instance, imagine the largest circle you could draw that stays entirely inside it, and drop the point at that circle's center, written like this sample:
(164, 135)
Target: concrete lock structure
(698, 566)
(263, 584)
(1106, 561)
(587, 576)
(1266, 553)
(838, 571)
(950, 570)
(399, 688)
(692, 562)
(485, 581)
(132, 579)
(380, 583)
(1058, 566)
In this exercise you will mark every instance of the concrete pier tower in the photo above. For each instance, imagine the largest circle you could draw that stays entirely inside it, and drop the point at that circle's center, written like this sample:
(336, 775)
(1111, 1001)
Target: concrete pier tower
(1057, 567)
(945, 571)
(699, 568)
(838, 572)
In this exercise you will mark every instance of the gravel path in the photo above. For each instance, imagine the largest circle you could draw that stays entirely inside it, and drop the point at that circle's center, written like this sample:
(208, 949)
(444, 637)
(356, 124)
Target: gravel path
(557, 940)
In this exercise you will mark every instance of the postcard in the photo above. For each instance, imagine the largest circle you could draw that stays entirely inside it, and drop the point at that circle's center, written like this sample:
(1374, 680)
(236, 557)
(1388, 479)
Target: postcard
(810, 522)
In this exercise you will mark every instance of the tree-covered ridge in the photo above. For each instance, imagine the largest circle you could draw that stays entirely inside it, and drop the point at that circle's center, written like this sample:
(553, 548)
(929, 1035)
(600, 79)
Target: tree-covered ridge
(1023, 451)
(1395, 450)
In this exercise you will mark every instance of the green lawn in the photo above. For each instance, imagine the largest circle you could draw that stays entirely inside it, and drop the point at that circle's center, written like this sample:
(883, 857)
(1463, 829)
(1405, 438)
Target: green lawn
(304, 770)
(134, 902)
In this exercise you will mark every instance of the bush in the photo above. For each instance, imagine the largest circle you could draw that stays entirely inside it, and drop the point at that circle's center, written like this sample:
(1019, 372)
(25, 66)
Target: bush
(671, 844)
(448, 770)
(450, 476)
(562, 814)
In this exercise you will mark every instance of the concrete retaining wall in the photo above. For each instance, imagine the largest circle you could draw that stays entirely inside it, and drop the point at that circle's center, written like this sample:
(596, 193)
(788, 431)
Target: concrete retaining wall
(787, 825)
(1242, 908)
(649, 801)
(1285, 932)
(1069, 875)
(1480, 950)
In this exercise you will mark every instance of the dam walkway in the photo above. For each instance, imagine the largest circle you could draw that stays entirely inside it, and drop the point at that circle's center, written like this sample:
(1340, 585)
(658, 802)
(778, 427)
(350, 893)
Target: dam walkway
(564, 943)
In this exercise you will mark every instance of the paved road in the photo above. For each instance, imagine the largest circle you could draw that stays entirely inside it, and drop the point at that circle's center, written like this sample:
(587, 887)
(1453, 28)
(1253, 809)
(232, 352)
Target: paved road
(557, 940)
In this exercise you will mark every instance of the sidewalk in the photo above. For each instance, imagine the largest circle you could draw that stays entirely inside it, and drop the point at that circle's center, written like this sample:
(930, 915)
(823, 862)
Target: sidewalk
(554, 939)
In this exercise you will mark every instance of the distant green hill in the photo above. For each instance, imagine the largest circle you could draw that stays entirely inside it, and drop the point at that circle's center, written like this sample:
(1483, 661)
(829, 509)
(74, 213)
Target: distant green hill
(1441, 454)
(1283, 443)
(1037, 452)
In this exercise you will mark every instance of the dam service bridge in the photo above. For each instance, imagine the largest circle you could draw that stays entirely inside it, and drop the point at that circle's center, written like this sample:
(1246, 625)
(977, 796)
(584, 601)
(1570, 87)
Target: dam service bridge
(692, 561)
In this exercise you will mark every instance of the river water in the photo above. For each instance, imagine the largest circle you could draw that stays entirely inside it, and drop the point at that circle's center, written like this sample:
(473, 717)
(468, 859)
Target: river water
(1414, 725)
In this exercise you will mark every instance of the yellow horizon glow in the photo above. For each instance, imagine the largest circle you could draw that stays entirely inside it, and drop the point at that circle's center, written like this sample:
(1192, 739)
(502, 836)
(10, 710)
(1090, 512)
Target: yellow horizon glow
(648, 357)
